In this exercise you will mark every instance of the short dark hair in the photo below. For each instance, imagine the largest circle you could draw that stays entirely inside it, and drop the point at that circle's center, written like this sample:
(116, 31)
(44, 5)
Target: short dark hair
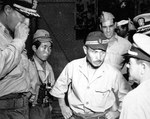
(36, 43)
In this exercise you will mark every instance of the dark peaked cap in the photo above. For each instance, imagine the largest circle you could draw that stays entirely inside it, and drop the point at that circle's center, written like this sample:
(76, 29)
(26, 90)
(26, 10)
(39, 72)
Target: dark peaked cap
(26, 7)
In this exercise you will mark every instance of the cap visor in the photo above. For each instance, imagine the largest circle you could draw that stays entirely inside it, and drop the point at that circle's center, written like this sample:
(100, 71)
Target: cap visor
(127, 55)
(98, 47)
(43, 39)
(29, 15)
(141, 55)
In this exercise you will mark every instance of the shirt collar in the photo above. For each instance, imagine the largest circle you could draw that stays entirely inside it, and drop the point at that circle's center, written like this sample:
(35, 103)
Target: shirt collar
(2, 27)
(39, 67)
(114, 38)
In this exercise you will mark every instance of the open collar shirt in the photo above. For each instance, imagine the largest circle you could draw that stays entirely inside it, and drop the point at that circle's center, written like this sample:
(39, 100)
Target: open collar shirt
(136, 105)
(96, 94)
(14, 77)
(46, 75)
(117, 47)
(40, 75)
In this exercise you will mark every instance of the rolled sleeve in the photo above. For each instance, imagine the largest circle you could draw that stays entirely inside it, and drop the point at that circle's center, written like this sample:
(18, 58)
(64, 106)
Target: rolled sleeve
(61, 85)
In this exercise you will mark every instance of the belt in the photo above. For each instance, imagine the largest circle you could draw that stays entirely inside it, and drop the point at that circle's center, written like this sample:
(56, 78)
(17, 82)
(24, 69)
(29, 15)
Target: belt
(39, 104)
(89, 116)
(13, 101)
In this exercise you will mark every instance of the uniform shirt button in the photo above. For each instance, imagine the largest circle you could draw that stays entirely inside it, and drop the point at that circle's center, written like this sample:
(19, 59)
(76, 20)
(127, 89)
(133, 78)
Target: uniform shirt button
(87, 103)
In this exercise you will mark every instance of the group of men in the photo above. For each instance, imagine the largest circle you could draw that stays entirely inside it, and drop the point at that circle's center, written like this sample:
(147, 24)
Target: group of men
(24, 83)
(94, 85)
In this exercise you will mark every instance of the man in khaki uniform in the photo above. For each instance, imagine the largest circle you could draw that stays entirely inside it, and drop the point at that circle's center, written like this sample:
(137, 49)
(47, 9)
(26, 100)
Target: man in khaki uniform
(40, 107)
(94, 88)
(117, 46)
(14, 65)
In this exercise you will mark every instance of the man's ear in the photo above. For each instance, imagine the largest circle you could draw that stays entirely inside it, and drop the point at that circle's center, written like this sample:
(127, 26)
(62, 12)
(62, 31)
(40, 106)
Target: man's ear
(115, 25)
(34, 48)
(100, 27)
(7, 9)
(143, 67)
(85, 49)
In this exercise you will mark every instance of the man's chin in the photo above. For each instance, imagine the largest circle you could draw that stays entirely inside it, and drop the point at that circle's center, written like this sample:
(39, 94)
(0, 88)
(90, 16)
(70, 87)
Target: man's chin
(97, 65)
(132, 80)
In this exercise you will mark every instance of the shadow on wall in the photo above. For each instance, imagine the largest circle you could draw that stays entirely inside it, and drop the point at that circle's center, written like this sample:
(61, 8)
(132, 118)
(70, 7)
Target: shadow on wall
(58, 19)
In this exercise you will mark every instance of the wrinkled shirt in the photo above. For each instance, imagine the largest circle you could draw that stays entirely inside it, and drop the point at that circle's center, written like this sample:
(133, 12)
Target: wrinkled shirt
(95, 94)
(136, 105)
(14, 76)
(40, 75)
(117, 47)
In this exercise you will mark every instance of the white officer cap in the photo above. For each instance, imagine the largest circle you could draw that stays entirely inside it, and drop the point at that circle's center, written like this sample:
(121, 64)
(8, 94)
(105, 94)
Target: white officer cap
(140, 48)
(122, 22)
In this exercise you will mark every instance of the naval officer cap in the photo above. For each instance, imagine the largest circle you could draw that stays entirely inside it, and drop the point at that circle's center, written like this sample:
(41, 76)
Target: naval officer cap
(25, 7)
(141, 47)
(143, 22)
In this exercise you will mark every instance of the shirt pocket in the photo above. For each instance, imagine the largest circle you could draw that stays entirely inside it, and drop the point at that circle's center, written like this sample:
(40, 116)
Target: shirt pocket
(104, 99)
(101, 96)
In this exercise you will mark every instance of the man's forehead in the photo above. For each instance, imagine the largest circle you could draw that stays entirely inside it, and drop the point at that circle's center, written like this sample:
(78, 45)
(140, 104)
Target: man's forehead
(96, 50)
(132, 59)
(108, 23)
(46, 43)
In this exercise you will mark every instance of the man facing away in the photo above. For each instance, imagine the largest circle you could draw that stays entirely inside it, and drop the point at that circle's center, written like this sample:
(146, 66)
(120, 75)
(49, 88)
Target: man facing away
(40, 100)
(93, 88)
(117, 46)
(136, 105)
(14, 65)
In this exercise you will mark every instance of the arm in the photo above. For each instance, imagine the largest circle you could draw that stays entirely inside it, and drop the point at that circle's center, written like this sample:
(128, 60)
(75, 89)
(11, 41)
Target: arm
(59, 90)
(120, 89)
(65, 110)
(10, 56)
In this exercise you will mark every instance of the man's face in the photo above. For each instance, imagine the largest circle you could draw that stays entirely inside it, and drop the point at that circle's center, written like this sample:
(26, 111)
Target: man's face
(43, 51)
(108, 28)
(95, 57)
(122, 31)
(13, 18)
(133, 70)
(141, 21)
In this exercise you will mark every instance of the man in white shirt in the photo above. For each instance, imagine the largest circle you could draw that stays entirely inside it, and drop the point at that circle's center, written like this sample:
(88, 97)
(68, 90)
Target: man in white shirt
(136, 104)
(93, 88)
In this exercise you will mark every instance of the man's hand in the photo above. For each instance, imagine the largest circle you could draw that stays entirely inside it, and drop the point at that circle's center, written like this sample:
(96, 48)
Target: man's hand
(66, 112)
(22, 30)
(112, 115)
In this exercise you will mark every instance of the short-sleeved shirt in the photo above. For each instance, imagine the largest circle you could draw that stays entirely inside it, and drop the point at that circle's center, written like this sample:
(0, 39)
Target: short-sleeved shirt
(94, 94)
(117, 47)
